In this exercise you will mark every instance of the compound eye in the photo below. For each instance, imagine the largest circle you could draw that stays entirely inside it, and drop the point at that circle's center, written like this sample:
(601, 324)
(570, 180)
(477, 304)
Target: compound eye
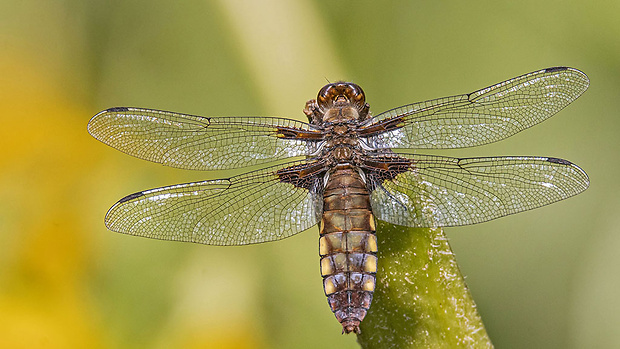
(326, 95)
(355, 94)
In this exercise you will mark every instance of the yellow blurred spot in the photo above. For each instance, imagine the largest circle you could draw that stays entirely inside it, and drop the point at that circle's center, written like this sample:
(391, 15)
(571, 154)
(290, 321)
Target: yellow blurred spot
(43, 295)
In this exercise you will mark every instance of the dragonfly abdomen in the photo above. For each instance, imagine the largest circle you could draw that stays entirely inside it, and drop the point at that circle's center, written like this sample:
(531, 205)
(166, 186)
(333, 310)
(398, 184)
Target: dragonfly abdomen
(348, 247)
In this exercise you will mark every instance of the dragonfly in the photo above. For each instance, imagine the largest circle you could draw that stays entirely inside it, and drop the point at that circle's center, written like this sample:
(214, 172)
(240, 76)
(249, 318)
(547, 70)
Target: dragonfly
(342, 170)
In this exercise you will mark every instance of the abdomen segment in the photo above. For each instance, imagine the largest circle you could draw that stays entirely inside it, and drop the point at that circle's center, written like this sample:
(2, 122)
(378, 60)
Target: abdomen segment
(348, 247)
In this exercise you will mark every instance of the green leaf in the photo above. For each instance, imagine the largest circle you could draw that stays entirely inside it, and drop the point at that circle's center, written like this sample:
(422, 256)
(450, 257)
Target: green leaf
(421, 300)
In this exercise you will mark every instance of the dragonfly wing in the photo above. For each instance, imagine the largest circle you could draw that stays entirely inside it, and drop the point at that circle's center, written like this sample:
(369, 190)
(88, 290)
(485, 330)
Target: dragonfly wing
(251, 208)
(444, 191)
(202, 143)
(484, 116)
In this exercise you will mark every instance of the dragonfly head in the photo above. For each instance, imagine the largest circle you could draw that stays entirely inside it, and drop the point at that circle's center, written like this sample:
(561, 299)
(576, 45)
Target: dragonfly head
(338, 102)
(339, 93)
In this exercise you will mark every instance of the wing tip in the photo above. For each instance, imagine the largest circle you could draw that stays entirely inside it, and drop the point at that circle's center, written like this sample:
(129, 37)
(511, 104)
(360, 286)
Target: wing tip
(131, 197)
(111, 110)
(586, 178)
(556, 69)
(559, 161)
(115, 110)
(110, 220)
(98, 118)
(584, 76)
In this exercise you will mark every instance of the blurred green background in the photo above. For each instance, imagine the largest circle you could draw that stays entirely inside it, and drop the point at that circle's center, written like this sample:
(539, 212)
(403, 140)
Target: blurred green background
(547, 278)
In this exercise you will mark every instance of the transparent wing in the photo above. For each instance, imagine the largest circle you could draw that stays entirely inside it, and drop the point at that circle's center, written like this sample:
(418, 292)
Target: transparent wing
(484, 116)
(250, 208)
(444, 191)
(196, 142)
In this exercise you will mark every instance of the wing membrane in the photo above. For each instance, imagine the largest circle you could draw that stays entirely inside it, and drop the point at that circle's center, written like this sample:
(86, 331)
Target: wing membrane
(250, 208)
(484, 116)
(444, 191)
(196, 142)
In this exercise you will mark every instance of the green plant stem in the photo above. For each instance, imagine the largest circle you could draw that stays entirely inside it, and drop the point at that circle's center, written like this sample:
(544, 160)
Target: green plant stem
(421, 299)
